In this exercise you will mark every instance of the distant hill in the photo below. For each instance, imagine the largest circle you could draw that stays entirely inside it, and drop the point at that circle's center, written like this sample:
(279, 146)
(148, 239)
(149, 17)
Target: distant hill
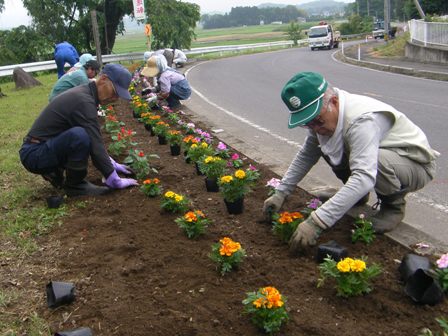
(317, 7)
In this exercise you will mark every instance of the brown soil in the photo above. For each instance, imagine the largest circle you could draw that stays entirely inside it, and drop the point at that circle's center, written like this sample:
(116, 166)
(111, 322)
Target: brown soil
(136, 273)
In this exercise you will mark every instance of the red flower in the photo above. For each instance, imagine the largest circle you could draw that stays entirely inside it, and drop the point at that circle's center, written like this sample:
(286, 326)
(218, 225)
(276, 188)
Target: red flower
(141, 154)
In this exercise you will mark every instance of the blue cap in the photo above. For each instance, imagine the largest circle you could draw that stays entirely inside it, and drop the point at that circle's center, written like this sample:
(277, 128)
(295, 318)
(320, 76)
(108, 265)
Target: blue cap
(120, 77)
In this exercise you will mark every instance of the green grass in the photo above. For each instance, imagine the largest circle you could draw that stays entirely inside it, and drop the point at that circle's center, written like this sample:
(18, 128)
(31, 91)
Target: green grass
(393, 48)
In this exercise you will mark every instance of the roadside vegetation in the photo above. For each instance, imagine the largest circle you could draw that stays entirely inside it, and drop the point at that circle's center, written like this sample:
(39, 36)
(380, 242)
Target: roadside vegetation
(394, 47)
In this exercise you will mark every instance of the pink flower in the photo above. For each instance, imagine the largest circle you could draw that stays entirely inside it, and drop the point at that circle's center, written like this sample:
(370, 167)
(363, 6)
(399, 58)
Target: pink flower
(273, 182)
(190, 125)
(253, 168)
(235, 156)
(221, 146)
(443, 261)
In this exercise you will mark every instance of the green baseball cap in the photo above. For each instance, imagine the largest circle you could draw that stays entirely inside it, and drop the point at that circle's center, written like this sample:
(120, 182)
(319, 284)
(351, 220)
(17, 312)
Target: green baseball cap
(303, 95)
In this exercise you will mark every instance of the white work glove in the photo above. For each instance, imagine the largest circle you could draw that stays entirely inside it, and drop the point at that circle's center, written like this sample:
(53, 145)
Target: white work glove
(306, 233)
(273, 204)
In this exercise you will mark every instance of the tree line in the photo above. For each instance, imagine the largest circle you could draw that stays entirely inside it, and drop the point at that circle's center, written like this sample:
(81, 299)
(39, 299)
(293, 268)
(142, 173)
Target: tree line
(173, 23)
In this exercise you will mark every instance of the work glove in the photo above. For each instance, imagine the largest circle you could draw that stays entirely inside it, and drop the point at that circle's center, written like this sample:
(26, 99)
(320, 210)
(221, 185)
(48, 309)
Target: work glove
(121, 168)
(306, 233)
(273, 204)
(116, 182)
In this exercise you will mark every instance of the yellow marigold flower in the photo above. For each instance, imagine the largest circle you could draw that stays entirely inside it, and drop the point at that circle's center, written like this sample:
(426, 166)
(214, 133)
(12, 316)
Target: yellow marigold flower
(358, 265)
(208, 159)
(343, 266)
(240, 174)
(258, 303)
(226, 179)
(194, 145)
(178, 198)
(169, 194)
(204, 145)
(190, 216)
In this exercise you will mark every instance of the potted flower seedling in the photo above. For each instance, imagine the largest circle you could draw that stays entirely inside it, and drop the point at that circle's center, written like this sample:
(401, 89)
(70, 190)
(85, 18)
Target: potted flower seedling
(112, 125)
(311, 206)
(442, 271)
(272, 184)
(144, 117)
(151, 121)
(175, 203)
(173, 118)
(228, 254)
(160, 129)
(285, 224)
(235, 161)
(363, 230)
(234, 187)
(121, 141)
(197, 151)
(188, 141)
(139, 162)
(267, 309)
(193, 223)
(222, 150)
(174, 139)
(151, 187)
(189, 128)
(353, 277)
(139, 106)
(212, 167)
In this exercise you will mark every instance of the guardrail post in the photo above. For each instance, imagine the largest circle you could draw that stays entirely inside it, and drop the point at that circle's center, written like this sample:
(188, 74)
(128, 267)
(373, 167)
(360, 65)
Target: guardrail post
(359, 52)
(342, 47)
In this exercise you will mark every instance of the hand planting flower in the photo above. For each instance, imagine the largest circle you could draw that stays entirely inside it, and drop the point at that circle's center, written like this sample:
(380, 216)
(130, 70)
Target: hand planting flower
(212, 166)
(285, 224)
(235, 161)
(173, 202)
(193, 223)
(267, 309)
(234, 187)
(352, 276)
(272, 184)
(121, 141)
(139, 162)
(363, 230)
(442, 271)
(228, 254)
(151, 187)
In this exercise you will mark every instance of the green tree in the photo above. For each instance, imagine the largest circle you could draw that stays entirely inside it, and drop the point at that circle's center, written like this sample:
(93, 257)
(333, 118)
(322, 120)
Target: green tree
(293, 32)
(69, 20)
(172, 23)
(2, 5)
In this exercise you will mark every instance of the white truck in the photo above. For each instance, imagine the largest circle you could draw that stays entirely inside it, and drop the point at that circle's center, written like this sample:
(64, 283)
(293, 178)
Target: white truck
(323, 36)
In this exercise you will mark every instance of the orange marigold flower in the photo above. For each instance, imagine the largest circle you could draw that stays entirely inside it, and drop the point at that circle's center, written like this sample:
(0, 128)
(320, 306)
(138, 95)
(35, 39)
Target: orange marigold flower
(190, 216)
(155, 180)
(148, 181)
(228, 246)
(199, 213)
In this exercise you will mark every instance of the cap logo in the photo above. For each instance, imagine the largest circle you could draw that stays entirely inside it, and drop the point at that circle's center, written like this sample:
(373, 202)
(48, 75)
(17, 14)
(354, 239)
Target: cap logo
(295, 101)
(322, 85)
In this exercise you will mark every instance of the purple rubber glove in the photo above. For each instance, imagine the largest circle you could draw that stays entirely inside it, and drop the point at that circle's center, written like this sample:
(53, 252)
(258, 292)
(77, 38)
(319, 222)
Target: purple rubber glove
(121, 168)
(116, 182)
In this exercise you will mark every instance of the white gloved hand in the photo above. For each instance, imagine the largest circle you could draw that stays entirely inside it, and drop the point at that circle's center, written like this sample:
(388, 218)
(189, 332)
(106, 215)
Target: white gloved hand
(306, 233)
(273, 204)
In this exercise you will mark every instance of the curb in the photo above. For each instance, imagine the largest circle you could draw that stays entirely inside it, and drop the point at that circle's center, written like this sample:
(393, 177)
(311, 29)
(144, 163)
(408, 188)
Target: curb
(392, 68)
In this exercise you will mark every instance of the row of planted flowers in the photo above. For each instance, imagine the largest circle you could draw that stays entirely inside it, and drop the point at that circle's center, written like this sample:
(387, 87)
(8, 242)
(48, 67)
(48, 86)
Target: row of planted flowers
(223, 173)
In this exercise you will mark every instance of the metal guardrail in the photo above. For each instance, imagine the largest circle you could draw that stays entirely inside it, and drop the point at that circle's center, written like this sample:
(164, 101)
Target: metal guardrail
(7, 70)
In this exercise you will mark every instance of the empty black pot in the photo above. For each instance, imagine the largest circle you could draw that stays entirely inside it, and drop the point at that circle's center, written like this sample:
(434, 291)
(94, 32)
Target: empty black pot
(211, 185)
(411, 263)
(235, 208)
(423, 288)
(54, 202)
(330, 249)
(76, 332)
(60, 293)
(162, 140)
(175, 150)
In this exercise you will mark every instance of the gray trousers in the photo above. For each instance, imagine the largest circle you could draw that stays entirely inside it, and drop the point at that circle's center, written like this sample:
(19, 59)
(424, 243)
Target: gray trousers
(395, 173)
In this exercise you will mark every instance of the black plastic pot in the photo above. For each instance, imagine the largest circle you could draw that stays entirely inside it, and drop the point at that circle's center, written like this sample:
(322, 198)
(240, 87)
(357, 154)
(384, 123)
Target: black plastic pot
(136, 115)
(411, 263)
(175, 150)
(54, 202)
(198, 171)
(76, 332)
(330, 249)
(235, 208)
(148, 127)
(60, 293)
(162, 140)
(422, 288)
(211, 185)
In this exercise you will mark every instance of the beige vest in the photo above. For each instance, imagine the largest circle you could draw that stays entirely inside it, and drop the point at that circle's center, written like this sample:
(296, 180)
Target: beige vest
(405, 138)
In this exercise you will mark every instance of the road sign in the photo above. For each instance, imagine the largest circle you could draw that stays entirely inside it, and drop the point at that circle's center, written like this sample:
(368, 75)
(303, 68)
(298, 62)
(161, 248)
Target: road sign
(147, 29)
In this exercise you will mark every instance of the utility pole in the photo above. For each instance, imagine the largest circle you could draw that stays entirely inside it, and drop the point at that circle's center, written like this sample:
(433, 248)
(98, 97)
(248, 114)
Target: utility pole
(368, 8)
(386, 17)
(96, 37)
(419, 9)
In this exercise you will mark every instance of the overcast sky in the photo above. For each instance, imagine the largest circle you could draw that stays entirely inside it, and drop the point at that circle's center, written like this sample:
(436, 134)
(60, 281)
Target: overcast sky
(15, 14)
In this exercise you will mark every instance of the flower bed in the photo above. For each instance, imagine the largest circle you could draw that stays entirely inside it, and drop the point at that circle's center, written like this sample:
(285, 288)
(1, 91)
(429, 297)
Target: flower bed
(136, 273)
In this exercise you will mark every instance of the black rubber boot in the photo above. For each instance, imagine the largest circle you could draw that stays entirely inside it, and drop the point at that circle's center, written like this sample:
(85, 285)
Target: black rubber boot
(392, 209)
(75, 183)
(325, 194)
(56, 178)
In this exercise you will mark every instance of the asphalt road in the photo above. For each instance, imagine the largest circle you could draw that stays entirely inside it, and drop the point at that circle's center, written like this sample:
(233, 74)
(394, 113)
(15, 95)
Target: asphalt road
(241, 95)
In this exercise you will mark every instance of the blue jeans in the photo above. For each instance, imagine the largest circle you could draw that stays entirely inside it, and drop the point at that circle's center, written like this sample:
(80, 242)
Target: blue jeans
(179, 91)
(47, 156)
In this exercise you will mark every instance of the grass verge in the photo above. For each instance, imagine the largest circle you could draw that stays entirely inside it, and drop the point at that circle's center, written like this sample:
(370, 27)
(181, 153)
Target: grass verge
(393, 48)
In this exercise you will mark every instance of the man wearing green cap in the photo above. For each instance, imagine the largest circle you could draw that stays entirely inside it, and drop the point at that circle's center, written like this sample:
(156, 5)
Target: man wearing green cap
(367, 143)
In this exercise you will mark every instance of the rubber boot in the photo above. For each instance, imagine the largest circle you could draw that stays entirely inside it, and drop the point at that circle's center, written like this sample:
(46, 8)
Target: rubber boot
(325, 194)
(392, 209)
(56, 178)
(75, 183)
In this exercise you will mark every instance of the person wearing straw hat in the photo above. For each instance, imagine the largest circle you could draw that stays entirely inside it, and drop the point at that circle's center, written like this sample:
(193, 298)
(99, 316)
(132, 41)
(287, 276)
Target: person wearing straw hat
(67, 132)
(368, 145)
(173, 86)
